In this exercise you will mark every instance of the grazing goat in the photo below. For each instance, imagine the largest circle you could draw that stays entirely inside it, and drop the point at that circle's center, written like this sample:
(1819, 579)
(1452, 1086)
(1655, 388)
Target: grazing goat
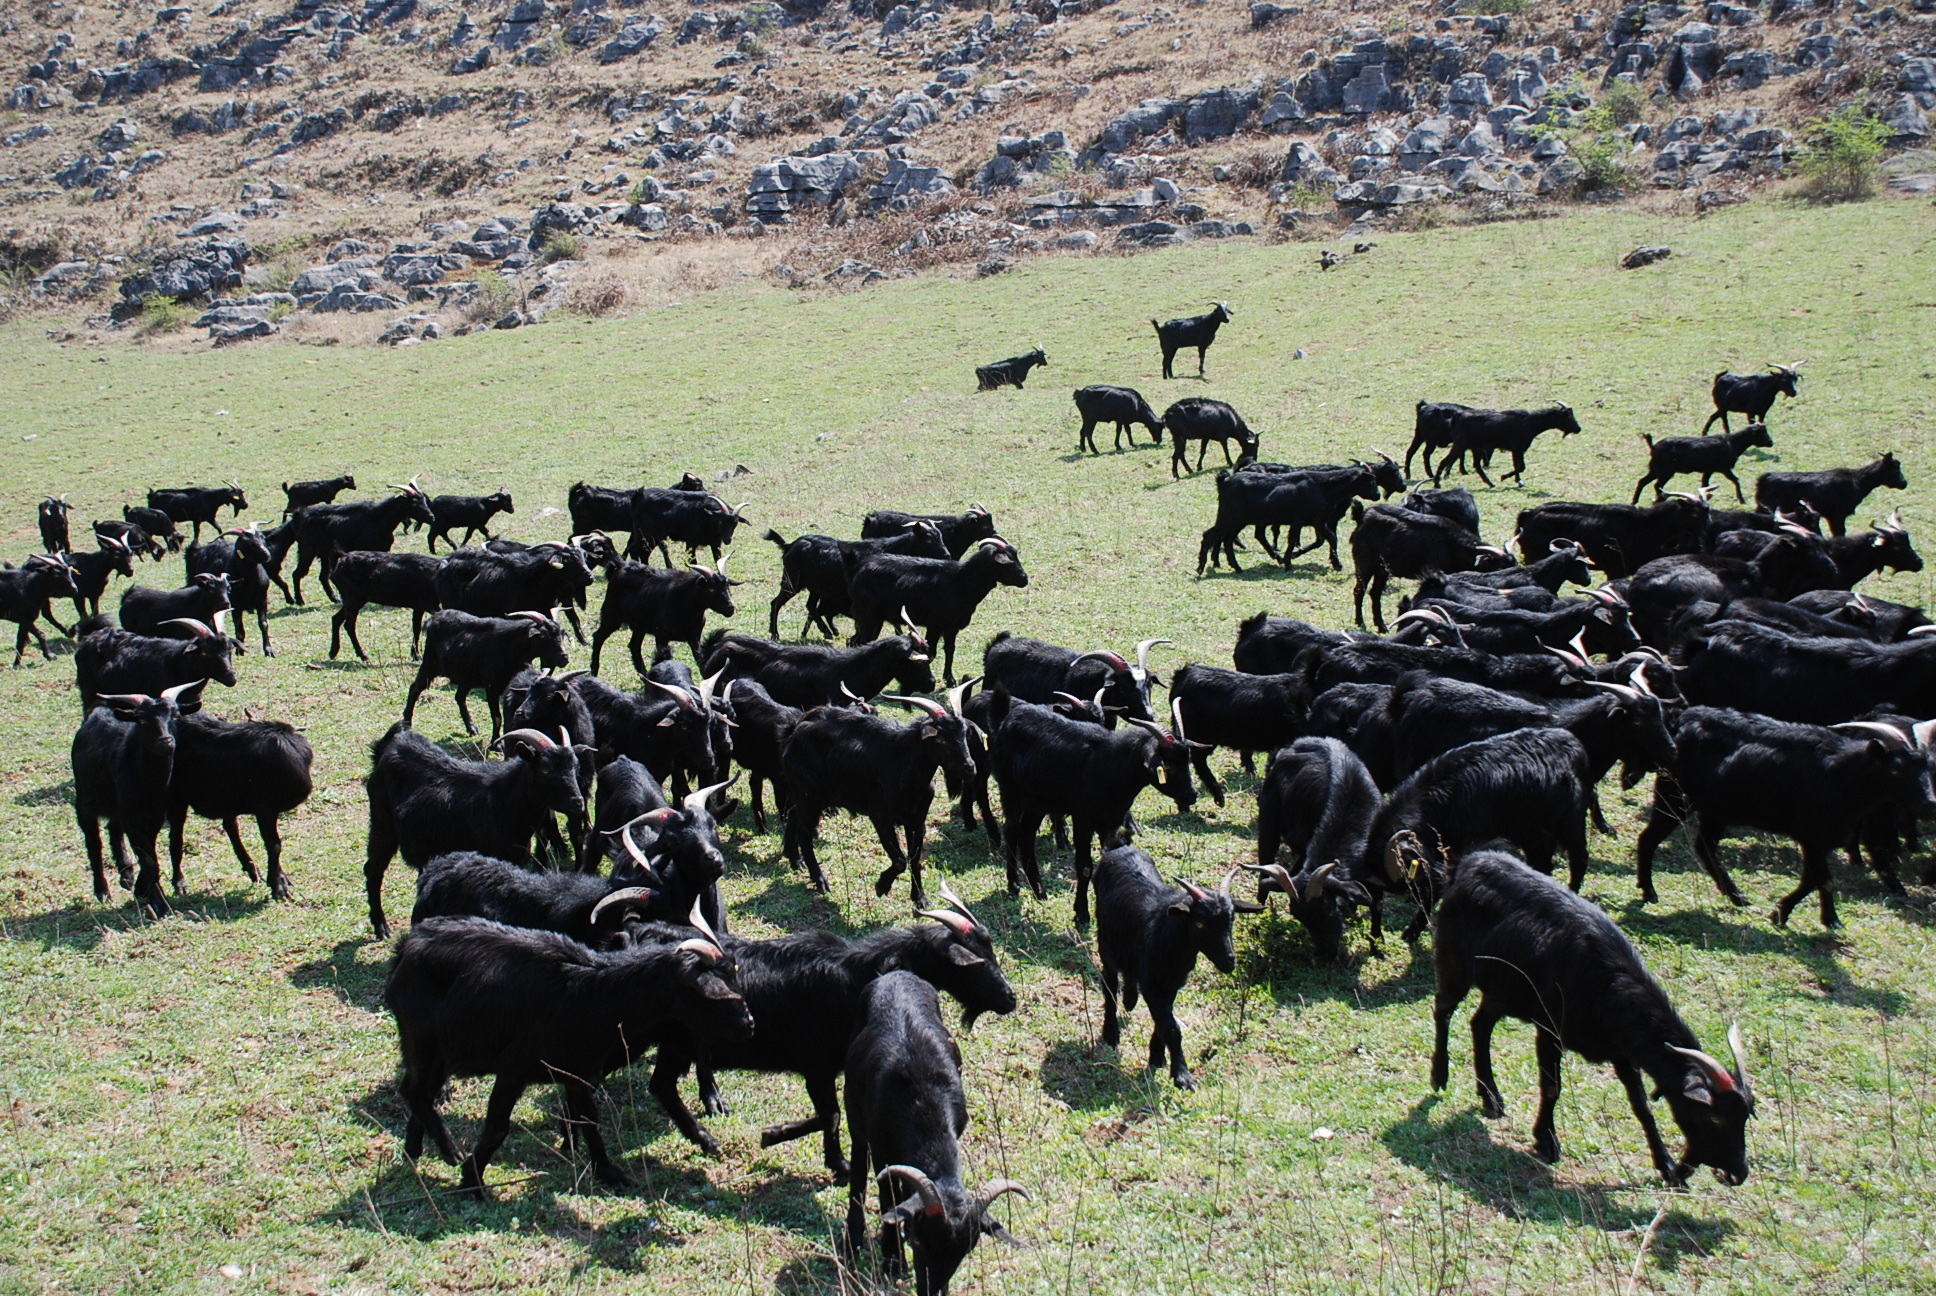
(1834, 493)
(156, 524)
(1855, 557)
(1479, 433)
(669, 605)
(872, 766)
(1543, 955)
(935, 594)
(960, 532)
(1149, 934)
(811, 675)
(1664, 589)
(1814, 785)
(1200, 419)
(818, 566)
(1197, 331)
(199, 504)
(302, 494)
(113, 661)
(226, 769)
(27, 594)
(1122, 406)
(123, 758)
(1390, 541)
(905, 1114)
(592, 910)
(403, 580)
(425, 802)
(1750, 394)
(475, 998)
(1455, 503)
(1012, 372)
(1668, 458)
(144, 611)
(1618, 538)
(1046, 763)
(483, 653)
(323, 532)
(472, 512)
(52, 517)
(1318, 800)
(242, 557)
(804, 991)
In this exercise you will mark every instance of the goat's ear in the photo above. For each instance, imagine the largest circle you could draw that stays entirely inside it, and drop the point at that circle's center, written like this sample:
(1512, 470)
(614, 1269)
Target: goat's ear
(929, 729)
(1697, 1089)
(1185, 906)
(962, 956)
(1247, 907)
(712, 987)
(993, 1228)
(671, 718)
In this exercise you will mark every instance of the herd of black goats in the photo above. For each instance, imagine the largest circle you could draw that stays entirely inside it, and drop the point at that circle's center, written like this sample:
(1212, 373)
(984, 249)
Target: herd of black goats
(1726, 654)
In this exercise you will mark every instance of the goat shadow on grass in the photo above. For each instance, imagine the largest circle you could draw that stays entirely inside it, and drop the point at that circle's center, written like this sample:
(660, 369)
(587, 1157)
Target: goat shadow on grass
(1095, 1077)
(80, 924)
(1280, 960)
(54, 794)
(355, 983)
(1463, 1151)
(1815, 950)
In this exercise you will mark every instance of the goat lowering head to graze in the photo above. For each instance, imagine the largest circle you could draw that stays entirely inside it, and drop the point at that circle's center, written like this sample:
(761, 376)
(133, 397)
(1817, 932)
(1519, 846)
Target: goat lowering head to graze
(1012, 372)
(1835, 493)
(1529, 944)
(304, 493)
(1200, 419)
(140, 542)
(123, 759)
(199, 504)
(1197, 331)
(1122, 406)
(905, 1114)
(1672, 456)
(1149, 935)
(811, 675)
(52, 516)
(1317, 800)
(1751, 394)
(156, 524)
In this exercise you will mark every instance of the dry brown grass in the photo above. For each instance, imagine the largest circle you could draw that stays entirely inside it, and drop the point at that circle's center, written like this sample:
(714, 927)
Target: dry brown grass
(605, 295)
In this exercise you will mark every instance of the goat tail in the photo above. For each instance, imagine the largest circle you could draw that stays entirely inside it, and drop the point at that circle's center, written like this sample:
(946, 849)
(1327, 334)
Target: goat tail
(1357, 511)
(775, 537)
(1649, 439)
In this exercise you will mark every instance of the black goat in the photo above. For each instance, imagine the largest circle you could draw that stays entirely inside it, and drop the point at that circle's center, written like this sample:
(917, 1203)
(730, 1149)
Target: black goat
(669, 605)
(1750, 394)
(673, 849)
(664, 728)
(875, 767)
(302, 494)
(1835, 493)
(1046, 763)
(691, 518)
(157, 525)
(1149, 934)
(473, 997)
(1432, 430)
(960, 532)
(1035, 671)
(91, 572)
(1887, 545)
(1618, 538)
(1814, 785)
(1268, 645)
(547, 578)
(1316, 497)
(1244, 712)
(144, 611)
(1479, 433)
(1122, 406)
(818, 566)
(764, 726)
(1455, 503)
(199, 504)
(52, 517)
(483, 653)
(27, 594)
(323, 532)
(1390, 541)
(1012, 372)
(1535, 585)
(548, 703)
(1181, 334)
(1664, 589)
(226, 769)
(804, 991)
(1541, 954)
(113, 661)
(405, 580)
(906, 1113)
(1318, 800)
(1887, 622)
(1599, 622)
(242, 557)
(1813, 680)
(472, 512)
(1200, 419)
(123, 757)
(592, 910)
(810, 675)
(1672, 456)
(138, 541)
(425, 802)
(938, 595)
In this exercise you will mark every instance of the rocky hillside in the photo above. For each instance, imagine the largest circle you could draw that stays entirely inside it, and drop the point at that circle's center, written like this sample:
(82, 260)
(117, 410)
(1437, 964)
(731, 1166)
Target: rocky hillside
(408, 169)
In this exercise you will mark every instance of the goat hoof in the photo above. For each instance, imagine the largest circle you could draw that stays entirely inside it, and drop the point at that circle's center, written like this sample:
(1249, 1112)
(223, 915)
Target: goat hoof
(612, 1177)
(279, 888)
(716, 1106)
(1183, 1080)
(1490, 1107)
(1647, 895)
(1546, 1146)
(1779, 917)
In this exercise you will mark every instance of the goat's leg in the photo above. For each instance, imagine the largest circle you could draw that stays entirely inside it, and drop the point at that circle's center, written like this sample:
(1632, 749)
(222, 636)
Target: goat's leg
(497, 1127)
(118, 846)
(1739, 497)
(599, 636)
(416, 631)
(147, 879)
(419, 1088)
(917, 840)
(826, 1109)
(667, 1071)
(1378, 580)
(262, 624)
(1632, 1079)
(1111, 1025)
(1815, 877)
(97, 866)
(1201, 759)
(1705, 836)
(1484, 1018)
(886, 829)
(1451, 993)
(272, 847)
(464, 712)
(581, 1119)
(1168, 1034)
(230, 827)
(1667, 812)
(1546, 1139)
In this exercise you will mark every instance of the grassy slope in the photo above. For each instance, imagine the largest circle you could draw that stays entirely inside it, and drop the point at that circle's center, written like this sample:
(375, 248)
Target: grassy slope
(216, 1089)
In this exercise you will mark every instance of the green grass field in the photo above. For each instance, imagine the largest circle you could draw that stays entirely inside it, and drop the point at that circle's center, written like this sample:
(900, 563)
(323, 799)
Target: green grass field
(206, 1103)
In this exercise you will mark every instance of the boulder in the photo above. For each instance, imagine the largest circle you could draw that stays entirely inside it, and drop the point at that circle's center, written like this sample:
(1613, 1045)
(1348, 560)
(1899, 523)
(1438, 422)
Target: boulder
(346, 297)
(784, 184)
(1148, 118)
(1217, 114)
(214, 222)
(190, 271)
(632, 38)
(905, 186)
(1154, 233)
(1470, 90)
(1907, 122)
(119, 136)
(476, 61)
(359, 272)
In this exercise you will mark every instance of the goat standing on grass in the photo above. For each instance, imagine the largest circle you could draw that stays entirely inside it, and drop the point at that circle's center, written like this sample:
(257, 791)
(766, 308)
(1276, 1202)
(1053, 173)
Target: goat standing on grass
(1750, 394)
(1672, 456)
(1197, 331)
(1012, 372)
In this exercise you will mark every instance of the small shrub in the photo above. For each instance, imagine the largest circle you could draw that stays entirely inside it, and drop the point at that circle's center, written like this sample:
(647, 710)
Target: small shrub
(494, 298)
(1592, 141)
(164, 315)
(1507, 7)
(1841, 160)
(1624, 103)
(601, 296)
(280, 312)
(560, 245)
